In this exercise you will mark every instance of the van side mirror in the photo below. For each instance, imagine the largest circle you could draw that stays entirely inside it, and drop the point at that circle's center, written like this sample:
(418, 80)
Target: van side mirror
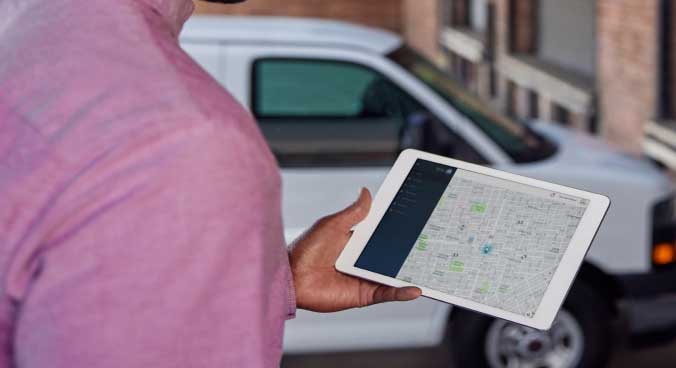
(412, 133)
(422, 131)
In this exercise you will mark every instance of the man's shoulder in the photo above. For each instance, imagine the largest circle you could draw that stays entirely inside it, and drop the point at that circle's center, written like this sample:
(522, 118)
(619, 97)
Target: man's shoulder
(111, 78)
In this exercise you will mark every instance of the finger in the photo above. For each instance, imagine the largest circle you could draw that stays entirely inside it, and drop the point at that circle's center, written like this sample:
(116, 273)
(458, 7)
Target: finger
(356, 212)
(391, 294)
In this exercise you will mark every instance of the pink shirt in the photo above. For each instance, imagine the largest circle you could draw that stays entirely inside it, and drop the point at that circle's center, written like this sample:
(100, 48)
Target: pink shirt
(139, 204)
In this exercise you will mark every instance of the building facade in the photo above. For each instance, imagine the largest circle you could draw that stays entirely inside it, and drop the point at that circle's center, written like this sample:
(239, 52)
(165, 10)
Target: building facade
(602, 66)
(533, 59)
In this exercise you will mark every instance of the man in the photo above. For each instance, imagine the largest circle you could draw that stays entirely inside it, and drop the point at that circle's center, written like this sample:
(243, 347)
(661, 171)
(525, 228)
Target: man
(139, 204)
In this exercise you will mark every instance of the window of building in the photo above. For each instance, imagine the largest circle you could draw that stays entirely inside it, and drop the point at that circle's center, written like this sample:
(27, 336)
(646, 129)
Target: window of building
(491, 36)
(491, 48)
(455, 62)
(566, 34)
(594, 124)
(492, 82)
(533, 105)
(334, 113)
(463, 70)
(560, 114)
(511, 99)
(459, 13)
(478, 16)
(466, 72)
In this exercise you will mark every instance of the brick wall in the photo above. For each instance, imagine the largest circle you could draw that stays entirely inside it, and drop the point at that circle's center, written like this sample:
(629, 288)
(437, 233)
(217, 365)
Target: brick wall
(377, 13)
(627, 68)
(418, 21)
(421, 25)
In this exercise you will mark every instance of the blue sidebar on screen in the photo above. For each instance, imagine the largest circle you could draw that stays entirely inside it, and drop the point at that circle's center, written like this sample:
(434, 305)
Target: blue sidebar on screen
(398, 230)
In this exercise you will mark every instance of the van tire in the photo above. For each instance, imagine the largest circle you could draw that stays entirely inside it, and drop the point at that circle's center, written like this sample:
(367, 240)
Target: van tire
(469, 331)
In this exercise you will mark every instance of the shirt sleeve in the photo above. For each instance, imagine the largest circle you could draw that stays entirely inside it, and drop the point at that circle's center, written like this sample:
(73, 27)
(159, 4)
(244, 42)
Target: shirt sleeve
(291, 297)
(167, 251)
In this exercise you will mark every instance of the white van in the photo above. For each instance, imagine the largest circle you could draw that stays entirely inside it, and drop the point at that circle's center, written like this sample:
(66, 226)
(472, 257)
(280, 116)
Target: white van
(337, 102)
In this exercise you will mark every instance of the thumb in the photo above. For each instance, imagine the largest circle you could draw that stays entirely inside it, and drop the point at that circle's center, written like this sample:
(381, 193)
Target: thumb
(356, 212)
(384, 294)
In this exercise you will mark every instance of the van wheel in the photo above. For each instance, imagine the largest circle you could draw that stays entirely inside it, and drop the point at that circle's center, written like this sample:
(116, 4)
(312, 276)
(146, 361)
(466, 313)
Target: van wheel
(579, 338)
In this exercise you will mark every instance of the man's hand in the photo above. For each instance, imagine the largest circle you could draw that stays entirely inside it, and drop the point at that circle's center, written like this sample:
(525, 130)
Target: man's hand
(319, 287)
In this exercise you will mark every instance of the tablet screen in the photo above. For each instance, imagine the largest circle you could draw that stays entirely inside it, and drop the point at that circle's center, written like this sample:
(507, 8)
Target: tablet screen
(474, 236)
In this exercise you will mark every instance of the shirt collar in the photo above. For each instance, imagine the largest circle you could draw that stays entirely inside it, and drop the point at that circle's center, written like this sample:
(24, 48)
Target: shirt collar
(175, 12)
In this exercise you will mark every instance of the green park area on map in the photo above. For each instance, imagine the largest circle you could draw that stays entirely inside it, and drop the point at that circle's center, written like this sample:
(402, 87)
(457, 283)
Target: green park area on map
(457, 266)
(478, 207)
(422, 242)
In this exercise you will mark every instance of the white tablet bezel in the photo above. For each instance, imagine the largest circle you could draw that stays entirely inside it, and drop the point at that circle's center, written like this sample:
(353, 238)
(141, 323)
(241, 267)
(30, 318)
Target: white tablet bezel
(563, 276)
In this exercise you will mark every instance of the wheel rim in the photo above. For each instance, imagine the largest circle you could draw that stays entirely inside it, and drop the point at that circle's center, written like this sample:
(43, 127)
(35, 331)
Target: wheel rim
(509, 345)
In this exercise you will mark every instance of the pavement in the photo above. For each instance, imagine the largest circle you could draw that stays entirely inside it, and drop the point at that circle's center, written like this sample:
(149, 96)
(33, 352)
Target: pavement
(658, 357)
(655, 313)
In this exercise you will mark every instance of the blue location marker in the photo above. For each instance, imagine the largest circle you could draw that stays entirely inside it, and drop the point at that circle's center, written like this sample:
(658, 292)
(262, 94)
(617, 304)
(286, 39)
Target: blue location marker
(487, 249)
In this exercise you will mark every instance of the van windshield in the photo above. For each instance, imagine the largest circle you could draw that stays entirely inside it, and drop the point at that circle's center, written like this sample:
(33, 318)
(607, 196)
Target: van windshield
(520, 142)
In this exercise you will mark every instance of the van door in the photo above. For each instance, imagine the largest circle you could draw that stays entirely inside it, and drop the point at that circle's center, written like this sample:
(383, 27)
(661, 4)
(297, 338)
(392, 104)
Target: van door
(336, 122)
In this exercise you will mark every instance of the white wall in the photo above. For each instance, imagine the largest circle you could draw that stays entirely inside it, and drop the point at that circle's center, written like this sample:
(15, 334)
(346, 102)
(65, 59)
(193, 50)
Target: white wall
(567, 34)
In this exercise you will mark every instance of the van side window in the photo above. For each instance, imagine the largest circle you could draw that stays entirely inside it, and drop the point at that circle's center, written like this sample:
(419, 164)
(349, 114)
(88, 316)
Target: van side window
(334, 113)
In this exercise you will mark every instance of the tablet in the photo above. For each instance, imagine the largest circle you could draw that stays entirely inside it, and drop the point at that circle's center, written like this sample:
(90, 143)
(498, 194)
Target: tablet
(475, 237)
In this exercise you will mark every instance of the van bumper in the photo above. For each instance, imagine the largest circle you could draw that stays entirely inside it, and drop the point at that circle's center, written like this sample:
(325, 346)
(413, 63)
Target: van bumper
(649, 307)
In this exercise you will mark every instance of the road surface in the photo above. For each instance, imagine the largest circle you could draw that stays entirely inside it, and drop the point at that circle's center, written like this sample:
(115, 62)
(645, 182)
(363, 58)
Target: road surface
(661, 357)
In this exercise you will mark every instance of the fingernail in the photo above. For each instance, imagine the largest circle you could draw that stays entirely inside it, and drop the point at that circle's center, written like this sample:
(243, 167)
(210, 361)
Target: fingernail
(361, 193)
(413, 291)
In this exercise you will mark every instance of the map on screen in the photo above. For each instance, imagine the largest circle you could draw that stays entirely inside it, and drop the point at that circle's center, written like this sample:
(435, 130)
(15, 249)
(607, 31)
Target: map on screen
(474, 236)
